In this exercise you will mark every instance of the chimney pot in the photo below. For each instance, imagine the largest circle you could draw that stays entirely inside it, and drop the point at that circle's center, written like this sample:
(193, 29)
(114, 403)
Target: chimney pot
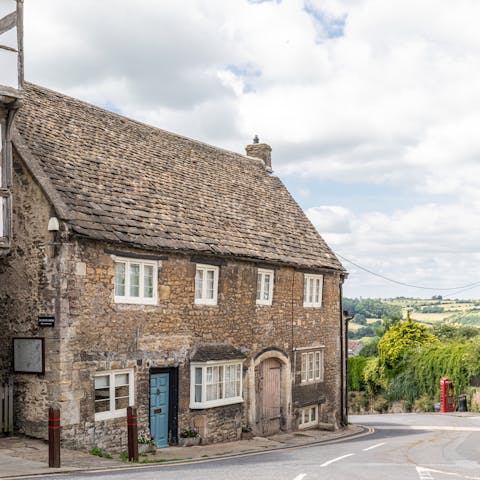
(261, 151)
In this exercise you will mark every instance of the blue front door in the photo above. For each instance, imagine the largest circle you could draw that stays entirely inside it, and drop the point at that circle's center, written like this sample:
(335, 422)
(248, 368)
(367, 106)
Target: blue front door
(159, 383)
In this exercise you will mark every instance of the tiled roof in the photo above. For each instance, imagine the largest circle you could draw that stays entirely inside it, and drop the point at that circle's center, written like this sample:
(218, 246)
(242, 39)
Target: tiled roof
(115, 179)
(213, 352)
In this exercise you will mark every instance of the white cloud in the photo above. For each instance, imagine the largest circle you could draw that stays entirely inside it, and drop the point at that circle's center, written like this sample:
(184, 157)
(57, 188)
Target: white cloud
(392, 100)
(429, 245)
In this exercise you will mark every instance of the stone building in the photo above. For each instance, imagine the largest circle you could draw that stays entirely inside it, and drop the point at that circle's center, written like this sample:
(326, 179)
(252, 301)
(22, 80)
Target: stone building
(164, 273)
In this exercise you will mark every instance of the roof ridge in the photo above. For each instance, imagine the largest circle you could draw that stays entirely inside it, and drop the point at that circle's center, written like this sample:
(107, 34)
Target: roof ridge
(139, 122)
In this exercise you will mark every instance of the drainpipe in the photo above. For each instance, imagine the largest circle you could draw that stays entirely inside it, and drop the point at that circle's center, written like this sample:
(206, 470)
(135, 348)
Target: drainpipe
(344, 318)
(342, 358)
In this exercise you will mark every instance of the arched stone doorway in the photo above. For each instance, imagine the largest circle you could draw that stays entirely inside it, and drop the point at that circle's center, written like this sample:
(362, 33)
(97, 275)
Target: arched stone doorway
(270, 393)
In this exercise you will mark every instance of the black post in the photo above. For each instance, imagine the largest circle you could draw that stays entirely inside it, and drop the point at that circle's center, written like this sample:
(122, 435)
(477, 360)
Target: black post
(54, 437)
(132, 434)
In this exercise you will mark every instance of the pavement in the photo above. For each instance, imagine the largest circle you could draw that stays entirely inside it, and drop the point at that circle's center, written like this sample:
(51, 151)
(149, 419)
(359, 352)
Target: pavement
(23, 456)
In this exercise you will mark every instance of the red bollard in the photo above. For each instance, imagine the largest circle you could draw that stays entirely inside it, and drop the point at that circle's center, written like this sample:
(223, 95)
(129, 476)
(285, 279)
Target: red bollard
(132, 434)
(54, 437)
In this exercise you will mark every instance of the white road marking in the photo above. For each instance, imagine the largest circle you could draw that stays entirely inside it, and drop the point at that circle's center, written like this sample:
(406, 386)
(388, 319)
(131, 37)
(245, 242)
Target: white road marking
(423, 472)
(429, 427)
(373, 446)
(300, 477)
(336, 459)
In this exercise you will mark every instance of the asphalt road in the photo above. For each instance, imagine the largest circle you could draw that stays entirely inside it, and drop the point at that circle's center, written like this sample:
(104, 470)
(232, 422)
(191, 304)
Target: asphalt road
(403, 447)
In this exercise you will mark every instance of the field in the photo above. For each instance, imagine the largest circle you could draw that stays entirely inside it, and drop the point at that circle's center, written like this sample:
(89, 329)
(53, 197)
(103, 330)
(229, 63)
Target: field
(427, 311)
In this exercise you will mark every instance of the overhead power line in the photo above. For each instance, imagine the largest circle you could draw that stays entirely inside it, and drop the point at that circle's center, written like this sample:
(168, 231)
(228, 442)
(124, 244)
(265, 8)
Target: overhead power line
(422, 287)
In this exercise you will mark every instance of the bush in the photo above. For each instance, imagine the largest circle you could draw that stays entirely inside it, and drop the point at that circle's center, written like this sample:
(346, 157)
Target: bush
(423, 404)
(356, 365)
(374, 376)
(399, 340)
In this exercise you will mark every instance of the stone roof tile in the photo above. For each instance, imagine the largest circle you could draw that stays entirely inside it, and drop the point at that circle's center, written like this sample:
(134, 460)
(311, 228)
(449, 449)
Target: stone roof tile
(115, 179)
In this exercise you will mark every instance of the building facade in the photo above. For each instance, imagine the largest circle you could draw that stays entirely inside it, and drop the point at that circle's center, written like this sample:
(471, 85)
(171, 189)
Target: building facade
(164, 273)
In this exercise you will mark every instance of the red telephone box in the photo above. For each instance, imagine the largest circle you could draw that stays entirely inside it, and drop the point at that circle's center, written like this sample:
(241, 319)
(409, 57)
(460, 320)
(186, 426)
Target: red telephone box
(447, 395)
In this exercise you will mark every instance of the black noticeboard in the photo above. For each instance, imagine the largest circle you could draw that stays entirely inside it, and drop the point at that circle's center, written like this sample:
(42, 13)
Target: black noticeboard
(46, 321)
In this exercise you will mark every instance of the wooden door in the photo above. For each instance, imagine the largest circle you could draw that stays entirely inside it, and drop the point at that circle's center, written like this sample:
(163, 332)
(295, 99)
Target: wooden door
(159, 393)
(268, 396)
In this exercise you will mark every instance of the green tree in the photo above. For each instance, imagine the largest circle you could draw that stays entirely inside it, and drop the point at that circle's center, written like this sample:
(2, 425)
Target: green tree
(370, 349)
(398, 340)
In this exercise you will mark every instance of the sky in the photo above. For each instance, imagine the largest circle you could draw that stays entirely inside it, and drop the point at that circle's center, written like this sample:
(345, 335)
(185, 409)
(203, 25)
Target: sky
(371, 107)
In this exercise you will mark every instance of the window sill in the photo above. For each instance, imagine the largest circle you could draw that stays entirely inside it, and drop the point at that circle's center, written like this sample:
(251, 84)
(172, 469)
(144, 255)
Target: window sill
(305, 426)
(311, 382)
(263, 304)
(100, 416)
(134, 301)
(217, 403)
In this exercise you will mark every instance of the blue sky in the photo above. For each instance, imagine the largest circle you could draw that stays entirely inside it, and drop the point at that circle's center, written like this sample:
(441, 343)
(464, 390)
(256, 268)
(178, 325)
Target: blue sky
(371, 107)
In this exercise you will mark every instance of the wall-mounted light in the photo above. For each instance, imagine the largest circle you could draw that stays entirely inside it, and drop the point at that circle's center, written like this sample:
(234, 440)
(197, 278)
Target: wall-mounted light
(53, 225)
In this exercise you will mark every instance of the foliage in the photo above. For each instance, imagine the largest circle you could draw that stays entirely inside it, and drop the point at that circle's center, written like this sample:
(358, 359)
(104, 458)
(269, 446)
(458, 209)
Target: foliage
(445, 331)
(370, 349)
(432, 309)
(374, 376)
(471, 317)
(425, 366)
(189, 432)
(124, 456)
(100, 452)
(146, 439)
(423, 404)
(370, 308)
(360, 333)
(356, 365)
(399, 340)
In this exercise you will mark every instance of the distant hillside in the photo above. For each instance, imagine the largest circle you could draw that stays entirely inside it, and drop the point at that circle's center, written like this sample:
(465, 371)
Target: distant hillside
(369, 314)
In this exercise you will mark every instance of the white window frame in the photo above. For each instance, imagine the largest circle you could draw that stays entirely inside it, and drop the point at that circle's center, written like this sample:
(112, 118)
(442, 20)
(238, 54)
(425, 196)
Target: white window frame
(261, 274)
(141, 299)
(112, 412)
(203, 300)
(312, 366)
(220, 401)
(305, 416)
(312, 297)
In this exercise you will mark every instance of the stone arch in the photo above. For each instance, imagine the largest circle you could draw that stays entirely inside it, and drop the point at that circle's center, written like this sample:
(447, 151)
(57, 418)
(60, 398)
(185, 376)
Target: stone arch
(272, 356)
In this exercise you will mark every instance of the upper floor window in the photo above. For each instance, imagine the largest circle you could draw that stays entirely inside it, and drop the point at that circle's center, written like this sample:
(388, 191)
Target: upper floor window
(136, 281)
(312, 366)
(264, 286)
(206, 284)
(312, 290)
(215, 383)
(114, 392)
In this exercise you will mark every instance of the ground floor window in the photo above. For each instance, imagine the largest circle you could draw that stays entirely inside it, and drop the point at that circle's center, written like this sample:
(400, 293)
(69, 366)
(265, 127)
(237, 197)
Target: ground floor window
(308, 416)
(114, 392)
(214, 384)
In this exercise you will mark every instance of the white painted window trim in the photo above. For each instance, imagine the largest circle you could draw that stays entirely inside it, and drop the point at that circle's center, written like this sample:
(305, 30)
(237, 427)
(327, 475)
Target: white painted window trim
(305, 417)
(122, 412)
(203, 300)
(318, 357)
(262, 272)
(307, 291)
(140, 300)
(218, 402)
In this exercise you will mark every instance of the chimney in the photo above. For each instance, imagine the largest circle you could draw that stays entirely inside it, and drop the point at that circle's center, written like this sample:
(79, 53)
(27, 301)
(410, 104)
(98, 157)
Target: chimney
(261, 151)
